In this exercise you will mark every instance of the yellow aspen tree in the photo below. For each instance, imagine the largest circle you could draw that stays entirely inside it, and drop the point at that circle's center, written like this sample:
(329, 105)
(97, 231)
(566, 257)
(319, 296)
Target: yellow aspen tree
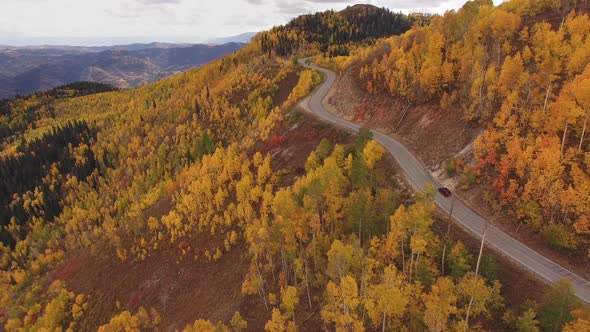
(577, 326)
(372, 152)
(341, 259)
(482, 298)
(441, 305)
(125, 321)
(289, 301)
(237, 323)
(312, 162)
(342, 301)
(387, 300)
(202, 325)
(581, 94)
(276, 322)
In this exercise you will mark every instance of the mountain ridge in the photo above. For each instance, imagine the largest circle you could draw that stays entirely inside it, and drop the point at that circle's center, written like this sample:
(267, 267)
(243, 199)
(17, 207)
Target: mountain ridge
(26, 70)
(86, 49)
(241, 38)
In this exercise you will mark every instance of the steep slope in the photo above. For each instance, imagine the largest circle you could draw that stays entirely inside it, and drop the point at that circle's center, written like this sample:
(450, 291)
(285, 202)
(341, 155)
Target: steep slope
(513, 87)
(468, 218)
(178, 122)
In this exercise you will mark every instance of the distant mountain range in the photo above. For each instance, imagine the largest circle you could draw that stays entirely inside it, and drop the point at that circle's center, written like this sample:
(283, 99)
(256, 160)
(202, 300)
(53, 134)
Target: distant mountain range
(66, 49)
(31, 68)
(241, 38)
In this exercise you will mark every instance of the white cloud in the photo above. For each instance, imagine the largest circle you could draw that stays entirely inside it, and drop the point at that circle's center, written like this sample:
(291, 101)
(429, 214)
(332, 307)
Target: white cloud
(292, 7)
(110, 21)
(158, 2)
(329, 1)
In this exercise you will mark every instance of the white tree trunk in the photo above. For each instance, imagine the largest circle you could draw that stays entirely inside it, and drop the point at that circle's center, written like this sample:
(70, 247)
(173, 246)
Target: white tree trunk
(307, 285)
(546, 97)
(583, 131)
(563, 138)
(360, 231)
(483, 240)
(442, 265)
(403, 256)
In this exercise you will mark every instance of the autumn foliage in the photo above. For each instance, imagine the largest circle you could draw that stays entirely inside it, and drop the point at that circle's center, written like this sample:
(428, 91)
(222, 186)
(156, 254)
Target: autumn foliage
(526, 82)
(126, 174)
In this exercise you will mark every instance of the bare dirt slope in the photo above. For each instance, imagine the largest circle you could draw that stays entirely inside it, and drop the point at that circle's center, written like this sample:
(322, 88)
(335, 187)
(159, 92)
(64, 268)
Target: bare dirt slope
(432, 133)
(180, 291)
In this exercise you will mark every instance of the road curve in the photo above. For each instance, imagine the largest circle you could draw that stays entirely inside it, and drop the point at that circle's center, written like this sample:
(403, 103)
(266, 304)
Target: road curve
(418, 177)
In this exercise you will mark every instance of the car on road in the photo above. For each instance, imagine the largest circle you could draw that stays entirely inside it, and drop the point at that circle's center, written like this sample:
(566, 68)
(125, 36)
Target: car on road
(445, 191)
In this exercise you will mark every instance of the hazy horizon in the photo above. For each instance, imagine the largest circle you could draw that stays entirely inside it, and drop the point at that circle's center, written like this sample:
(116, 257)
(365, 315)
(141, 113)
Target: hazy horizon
(114, 22)
(106, 42)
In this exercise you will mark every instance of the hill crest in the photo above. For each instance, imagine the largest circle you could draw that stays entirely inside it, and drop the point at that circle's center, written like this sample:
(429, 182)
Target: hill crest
(358, 9)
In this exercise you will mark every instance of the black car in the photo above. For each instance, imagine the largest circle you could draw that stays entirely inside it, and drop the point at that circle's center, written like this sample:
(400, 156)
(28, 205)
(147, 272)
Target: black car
(445, 191)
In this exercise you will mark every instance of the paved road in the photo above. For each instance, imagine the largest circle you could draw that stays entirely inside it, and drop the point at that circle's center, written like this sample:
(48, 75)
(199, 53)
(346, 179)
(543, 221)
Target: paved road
(418, 176)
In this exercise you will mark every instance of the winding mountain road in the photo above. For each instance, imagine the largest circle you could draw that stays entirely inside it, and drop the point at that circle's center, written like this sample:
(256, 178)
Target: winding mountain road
(419, 177)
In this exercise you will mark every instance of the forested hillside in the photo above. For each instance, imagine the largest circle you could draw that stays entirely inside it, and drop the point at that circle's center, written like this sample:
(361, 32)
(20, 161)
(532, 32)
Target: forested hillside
(210, 173)
(520, 72)
(81, 171)
(332, 33)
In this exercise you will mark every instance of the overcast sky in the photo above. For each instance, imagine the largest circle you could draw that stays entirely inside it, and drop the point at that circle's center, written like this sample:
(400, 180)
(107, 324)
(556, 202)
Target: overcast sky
(107, 22)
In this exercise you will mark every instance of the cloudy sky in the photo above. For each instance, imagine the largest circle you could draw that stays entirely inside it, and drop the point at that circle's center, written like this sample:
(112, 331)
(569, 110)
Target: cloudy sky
(107, 22)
